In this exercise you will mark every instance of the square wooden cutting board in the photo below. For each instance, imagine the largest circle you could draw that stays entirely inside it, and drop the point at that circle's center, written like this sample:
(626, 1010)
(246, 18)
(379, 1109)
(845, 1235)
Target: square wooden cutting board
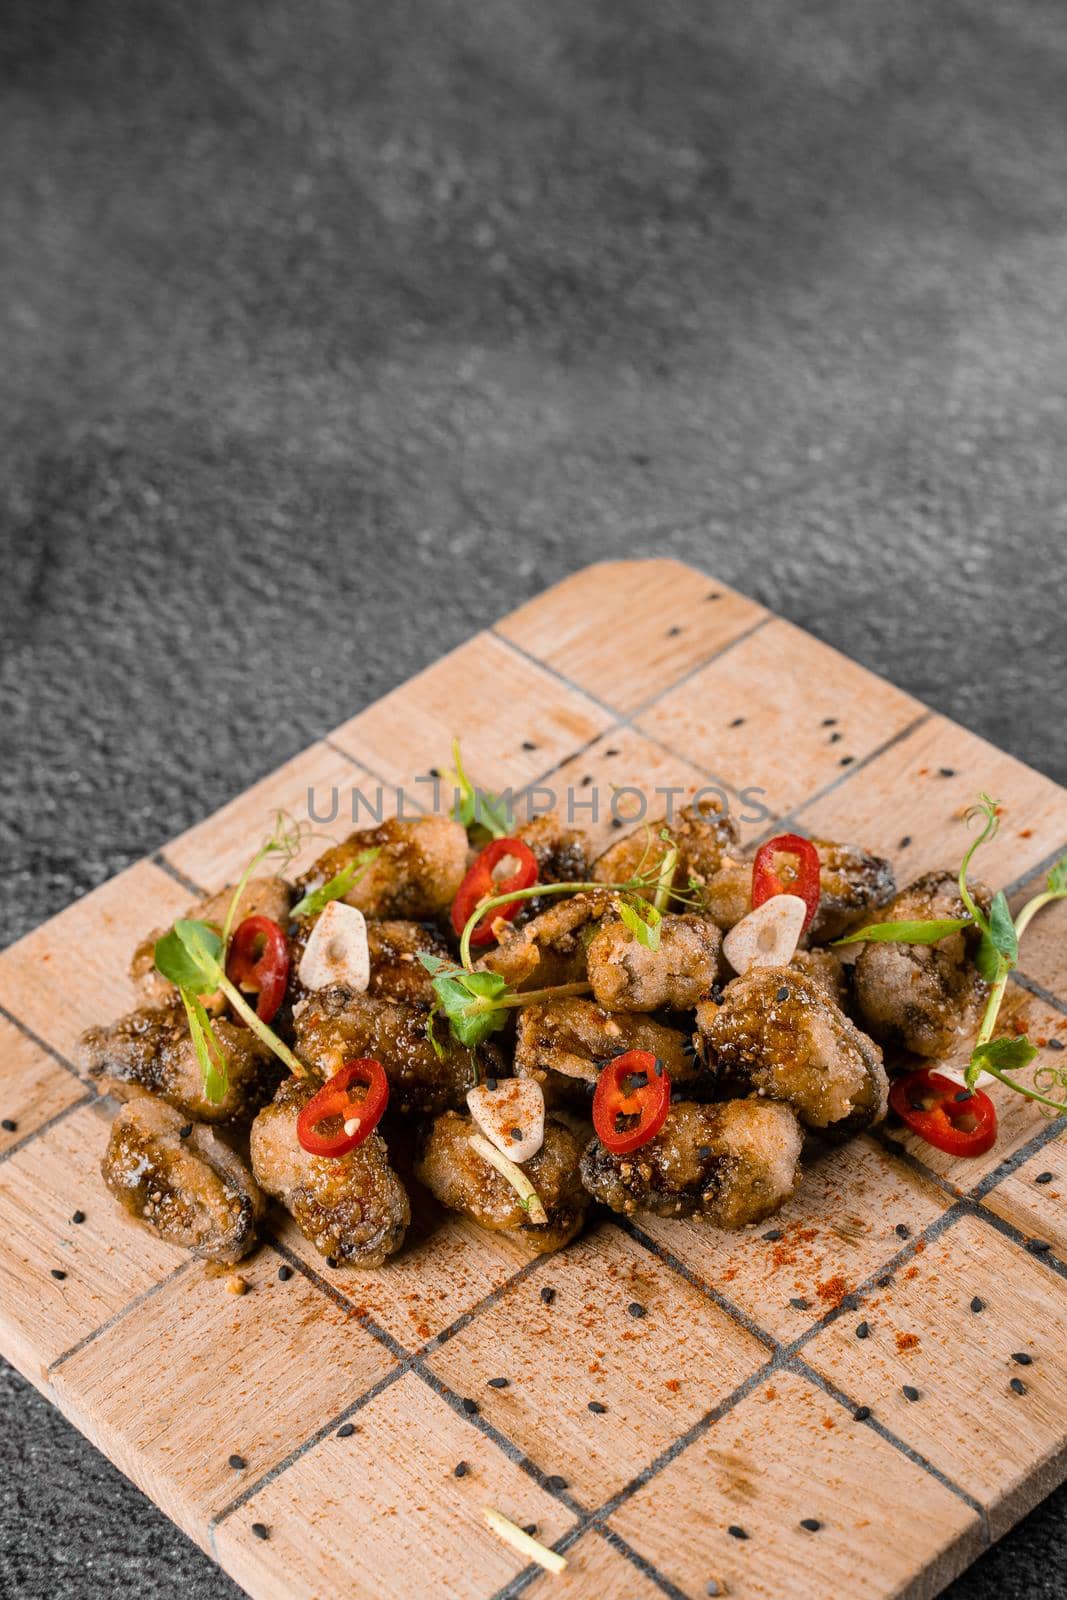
(734, 1411)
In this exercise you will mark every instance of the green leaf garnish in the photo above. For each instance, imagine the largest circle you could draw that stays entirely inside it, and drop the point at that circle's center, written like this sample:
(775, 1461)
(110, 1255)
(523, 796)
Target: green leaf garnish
(1004, 1054)
(906, 932)
(188, 956)
(191, 956)
(477, 1003)
(998, 950)
(1057, 878)
(336, 887)
(643, 921)
(462, 997)
(214, 1064)
(484, 815)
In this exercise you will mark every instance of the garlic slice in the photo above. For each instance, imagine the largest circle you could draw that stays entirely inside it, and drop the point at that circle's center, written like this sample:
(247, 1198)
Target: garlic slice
(515, 1106)
(337, 950)
(767, 936)
(959, 1075)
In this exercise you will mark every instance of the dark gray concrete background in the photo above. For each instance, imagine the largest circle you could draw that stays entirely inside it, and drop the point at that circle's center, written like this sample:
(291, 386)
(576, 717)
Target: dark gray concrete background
(333, 330)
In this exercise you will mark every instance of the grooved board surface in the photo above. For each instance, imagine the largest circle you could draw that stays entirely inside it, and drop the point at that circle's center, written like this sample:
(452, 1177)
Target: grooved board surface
(728, 1415)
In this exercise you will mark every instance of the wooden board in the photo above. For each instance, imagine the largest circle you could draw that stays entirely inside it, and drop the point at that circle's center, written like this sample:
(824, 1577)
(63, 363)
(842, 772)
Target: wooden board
(731, 1405)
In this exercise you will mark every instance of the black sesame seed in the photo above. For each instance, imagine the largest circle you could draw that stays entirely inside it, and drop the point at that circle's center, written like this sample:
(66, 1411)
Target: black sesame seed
(947, 772)
(909, 1392)
(611, 752)
(977, 1305)
(636, 1309)
(58, 1273)
(783, 992)
(586, 781)
(810, 1524)
(961, 1095)
(555, 1483)
(469, 1406)
(835, 737)
(331, 1261)
(1038, 1247)
(718, 994)
(714, 595)
(735, 1532)
(346, 1430)
(516, 1134)
(885, 1280)
(800, 1304)
(596, 1408)
(499, 1383)
(78, 1217)
(528, 744)
(547, 1295)
(736, 723)
(261, 1530)
(183, 1133)
(616, 822)
(1056, 1044)
(530, 1528)
(902, 1230)
(846, 761)
(704, 1151)
(829, 722)
(772, 1235)
(863, 1330)
(905, 841)
(1021, 1358)
(9, 1126)
(659, 1067)
(861, 1413)
(1017, 1386)
(1044, 1177)
(238, 1463)
(284, 1274)
(490, 1084)
(673, 632)
(460, 1469)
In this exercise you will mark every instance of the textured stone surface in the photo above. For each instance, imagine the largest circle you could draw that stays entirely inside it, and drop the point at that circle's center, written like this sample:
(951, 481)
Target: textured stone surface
(330, 332)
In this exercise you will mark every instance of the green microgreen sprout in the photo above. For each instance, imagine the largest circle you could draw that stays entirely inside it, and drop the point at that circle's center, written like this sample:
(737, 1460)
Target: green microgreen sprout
(190, 955)
(643, 919)
(996, 956)
(484, 815)
(285, 840)
(529, 1198)
(477, 1003)
(337, 887)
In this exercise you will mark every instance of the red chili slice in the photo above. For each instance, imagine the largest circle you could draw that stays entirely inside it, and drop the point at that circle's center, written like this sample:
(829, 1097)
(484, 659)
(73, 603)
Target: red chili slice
(481, 882)
(320, 1127)
(633, 1085)
(805, 884)
(258, 960)
(962, 1122)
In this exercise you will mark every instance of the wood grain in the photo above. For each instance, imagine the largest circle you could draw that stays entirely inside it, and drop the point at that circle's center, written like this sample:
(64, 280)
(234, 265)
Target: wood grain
(786, 1453)
(729, 1400)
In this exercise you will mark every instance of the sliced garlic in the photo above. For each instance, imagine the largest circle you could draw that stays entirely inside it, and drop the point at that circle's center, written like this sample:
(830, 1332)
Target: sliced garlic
(959, 1075)
(337, 951)
(515, 1106)
(767, 936)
